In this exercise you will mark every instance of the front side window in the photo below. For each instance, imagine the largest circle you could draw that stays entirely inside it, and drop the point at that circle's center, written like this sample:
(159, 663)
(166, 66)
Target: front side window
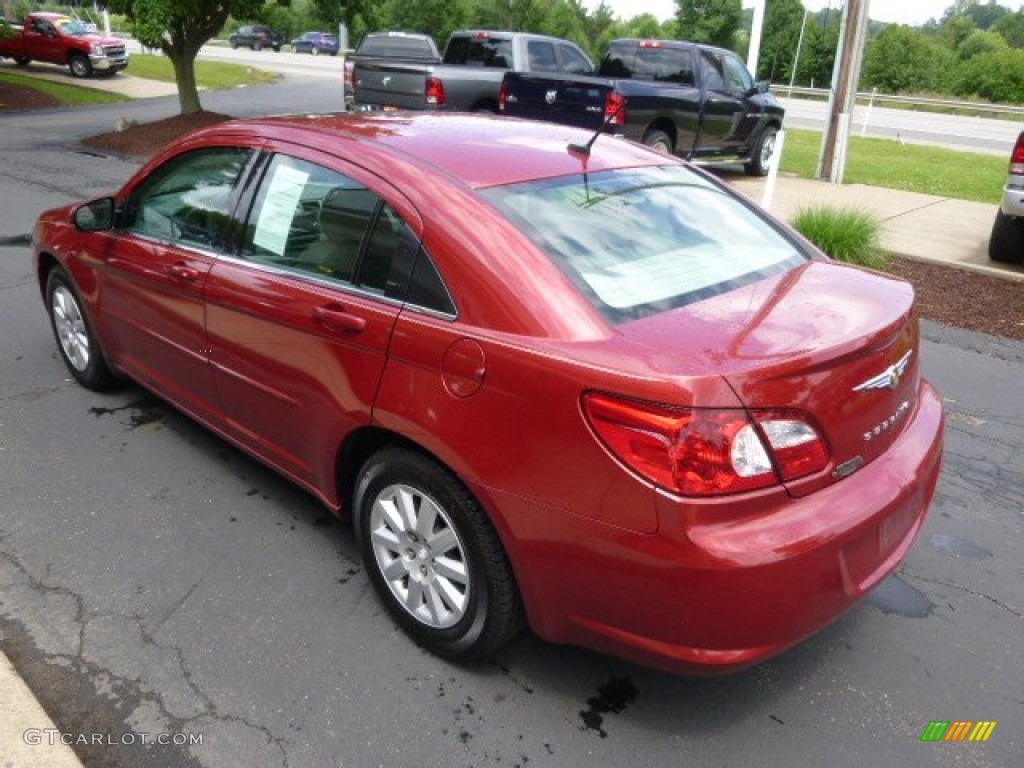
(646, 240)
(573, 60)
(711, 68)
(187, 200)
(737, 78)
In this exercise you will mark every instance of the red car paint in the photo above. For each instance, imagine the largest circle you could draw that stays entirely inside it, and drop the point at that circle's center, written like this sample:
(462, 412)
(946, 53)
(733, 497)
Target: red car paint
(297, 373)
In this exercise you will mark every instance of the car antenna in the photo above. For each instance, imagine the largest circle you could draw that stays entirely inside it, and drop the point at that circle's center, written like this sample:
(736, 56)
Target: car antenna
(584, 149)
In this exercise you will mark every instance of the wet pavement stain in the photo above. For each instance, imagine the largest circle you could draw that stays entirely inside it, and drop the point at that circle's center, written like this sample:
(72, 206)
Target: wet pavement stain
(954, 545)
(612, 698)
(894, 595)
(141, 412)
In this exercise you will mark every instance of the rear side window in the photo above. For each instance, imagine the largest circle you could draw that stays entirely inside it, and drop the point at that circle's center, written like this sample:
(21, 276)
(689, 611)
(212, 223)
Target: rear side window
(670, 65)
(479, 51)
(641, 241)
(618, 61)
(541, 55)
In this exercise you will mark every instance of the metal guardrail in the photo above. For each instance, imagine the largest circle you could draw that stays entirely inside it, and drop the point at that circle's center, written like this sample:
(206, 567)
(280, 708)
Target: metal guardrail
(913, 101)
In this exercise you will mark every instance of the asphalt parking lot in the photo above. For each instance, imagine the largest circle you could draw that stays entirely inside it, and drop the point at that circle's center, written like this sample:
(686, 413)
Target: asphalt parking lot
(153, 579)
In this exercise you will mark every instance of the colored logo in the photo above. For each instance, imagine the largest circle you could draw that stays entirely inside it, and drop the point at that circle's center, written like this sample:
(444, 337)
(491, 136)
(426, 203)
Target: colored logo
(958, 730)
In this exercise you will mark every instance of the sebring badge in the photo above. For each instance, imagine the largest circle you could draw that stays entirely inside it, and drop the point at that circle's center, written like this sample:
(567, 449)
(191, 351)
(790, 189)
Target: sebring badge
(889, 378)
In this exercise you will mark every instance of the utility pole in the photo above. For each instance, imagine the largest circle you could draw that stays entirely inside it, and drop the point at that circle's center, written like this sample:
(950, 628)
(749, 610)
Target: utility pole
(754, 51)
(843, 96)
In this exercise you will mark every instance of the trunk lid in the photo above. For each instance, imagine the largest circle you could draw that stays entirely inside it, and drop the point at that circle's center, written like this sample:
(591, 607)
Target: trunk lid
(834, 342)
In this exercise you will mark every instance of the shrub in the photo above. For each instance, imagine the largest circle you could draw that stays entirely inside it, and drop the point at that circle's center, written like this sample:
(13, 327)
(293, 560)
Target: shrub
(846, 234)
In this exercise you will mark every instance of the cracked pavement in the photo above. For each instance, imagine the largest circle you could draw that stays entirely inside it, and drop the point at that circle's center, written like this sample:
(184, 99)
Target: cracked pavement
(155, 580)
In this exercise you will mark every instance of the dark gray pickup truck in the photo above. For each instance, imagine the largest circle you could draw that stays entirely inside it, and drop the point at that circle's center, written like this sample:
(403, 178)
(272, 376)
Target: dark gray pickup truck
(683, 98)
(469, 78)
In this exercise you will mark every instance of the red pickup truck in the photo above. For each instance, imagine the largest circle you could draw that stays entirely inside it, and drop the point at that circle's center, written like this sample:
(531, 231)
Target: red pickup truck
(59, 39)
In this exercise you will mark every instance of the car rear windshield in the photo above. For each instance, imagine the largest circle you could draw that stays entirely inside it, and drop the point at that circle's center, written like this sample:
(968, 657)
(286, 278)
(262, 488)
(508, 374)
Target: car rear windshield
(398, 47)
(645, 240)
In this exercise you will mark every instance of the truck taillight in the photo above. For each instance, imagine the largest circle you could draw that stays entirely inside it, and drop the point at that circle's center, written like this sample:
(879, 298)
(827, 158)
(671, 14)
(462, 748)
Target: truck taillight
(502, 97)
(435, 92)
(1017, 158)
(615, 109)
(706, 452)
(350, 67)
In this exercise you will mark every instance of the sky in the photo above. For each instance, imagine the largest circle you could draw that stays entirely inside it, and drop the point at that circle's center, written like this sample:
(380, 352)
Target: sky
(913, 12)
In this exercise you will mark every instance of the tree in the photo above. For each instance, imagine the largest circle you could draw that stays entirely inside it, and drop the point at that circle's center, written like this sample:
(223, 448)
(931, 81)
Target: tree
(1011, 27)
(709, 21)
(782, 22)
(903, 59)
(997, 76)
(980, 42)
(179, 28)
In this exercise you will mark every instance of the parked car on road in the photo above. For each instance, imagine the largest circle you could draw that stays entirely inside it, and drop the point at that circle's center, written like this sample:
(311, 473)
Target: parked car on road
(411, 47)
(58, 39)
(257, 37)
(469, 78)
(316, 43)
(692, 100)
(594, 390)
(1006, 243)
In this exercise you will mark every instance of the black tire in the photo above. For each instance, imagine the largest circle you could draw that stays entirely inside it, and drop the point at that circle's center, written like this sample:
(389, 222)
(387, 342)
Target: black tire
(659, 141)
(234, 45)
(314, 51)
(79, 65)
(77, 342)
(761, 153)
(1006, 244)
(277, 49)
(22, 61)
(257, 46)
(448, 583)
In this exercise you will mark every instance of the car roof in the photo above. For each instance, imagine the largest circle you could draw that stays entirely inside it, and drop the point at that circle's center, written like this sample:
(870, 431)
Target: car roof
(480, 151)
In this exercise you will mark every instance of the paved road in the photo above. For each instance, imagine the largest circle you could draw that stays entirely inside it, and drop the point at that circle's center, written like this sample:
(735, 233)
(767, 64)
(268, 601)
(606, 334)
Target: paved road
(153, 579)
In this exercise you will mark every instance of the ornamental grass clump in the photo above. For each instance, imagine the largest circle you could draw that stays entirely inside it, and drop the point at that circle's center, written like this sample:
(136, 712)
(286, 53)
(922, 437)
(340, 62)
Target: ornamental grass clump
(846, 234)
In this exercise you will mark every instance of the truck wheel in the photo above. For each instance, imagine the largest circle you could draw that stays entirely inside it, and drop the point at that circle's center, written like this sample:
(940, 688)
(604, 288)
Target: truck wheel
(659, 141)
(79, 65)
(257, 46)
(761, 153)
(1006, 244)
(234, 45)
(22, 61)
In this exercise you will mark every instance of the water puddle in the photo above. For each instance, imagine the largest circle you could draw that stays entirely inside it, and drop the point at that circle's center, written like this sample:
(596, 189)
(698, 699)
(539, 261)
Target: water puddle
(612, 698)
(894, 595)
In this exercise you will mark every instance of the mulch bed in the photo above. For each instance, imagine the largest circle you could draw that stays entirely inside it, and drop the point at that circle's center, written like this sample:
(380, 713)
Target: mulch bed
(16, 99)
(143, 140)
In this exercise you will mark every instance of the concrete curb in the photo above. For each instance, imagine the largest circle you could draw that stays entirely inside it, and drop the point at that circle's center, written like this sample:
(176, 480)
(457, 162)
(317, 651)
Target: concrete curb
(24, 720)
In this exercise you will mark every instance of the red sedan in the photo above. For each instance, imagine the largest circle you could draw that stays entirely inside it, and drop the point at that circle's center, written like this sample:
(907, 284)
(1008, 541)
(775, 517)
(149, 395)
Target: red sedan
(596, 392)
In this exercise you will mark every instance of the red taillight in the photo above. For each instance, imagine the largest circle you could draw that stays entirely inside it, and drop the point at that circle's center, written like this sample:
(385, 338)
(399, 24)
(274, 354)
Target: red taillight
(1017, 158)
(615, 109)
(705, 452)
(502, 97)
(350, 67)
(435, 92)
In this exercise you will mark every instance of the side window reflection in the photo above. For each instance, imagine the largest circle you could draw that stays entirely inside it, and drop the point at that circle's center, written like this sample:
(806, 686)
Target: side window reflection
(187, 200)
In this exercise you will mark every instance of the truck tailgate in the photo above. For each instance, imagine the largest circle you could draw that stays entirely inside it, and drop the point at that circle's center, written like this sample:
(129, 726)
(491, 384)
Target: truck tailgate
(569, 100)
(389, 83)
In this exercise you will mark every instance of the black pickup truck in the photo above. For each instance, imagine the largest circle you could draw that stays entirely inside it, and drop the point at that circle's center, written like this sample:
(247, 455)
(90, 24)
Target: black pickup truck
(678, 97)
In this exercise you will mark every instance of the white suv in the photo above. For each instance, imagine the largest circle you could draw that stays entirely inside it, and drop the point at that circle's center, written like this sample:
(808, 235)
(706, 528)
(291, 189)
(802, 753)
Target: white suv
(1007, 241)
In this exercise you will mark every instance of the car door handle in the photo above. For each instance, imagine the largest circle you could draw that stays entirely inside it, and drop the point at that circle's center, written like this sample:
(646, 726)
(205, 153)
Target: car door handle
(182, 273)
(336, 318)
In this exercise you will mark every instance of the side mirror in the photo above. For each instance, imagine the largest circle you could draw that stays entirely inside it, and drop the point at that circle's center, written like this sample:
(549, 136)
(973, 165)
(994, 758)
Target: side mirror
(95, 216)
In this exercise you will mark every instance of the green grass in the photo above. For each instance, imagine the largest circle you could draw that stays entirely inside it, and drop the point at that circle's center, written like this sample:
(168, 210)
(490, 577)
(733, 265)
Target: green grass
(846, 234)
(65, 93)
(209, 74)
(910, 167)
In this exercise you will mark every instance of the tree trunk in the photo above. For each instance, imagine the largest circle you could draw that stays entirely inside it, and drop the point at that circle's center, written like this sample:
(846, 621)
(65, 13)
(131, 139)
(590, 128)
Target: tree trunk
(185, 75)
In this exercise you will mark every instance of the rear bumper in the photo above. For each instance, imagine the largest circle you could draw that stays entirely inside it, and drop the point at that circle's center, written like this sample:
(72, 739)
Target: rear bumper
(1013, 197)
(714, 591)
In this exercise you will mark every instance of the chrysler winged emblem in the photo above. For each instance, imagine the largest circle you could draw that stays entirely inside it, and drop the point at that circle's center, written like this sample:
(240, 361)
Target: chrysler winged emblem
(550, 96)
(889, 378)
